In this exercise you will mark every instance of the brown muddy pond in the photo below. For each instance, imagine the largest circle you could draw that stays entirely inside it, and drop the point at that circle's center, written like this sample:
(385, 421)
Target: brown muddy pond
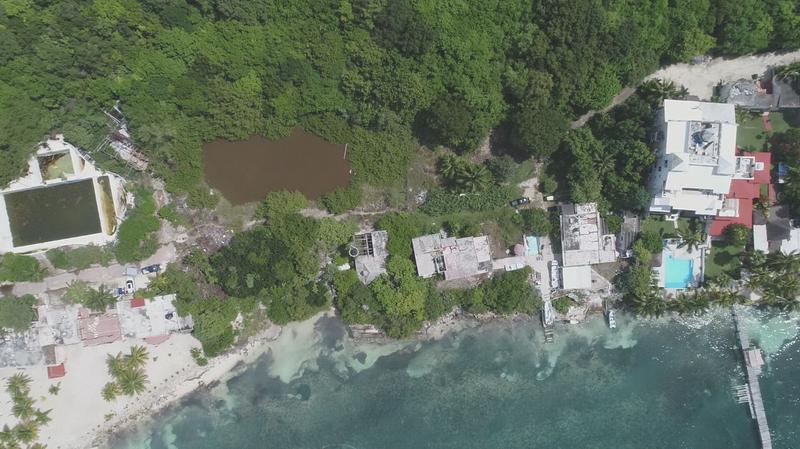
(247, 170)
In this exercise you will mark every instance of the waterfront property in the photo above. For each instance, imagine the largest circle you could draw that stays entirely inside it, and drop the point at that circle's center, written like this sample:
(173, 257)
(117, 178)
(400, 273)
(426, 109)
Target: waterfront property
(457, 258)
(584, 237)
(678, 267)
(577, 277)
(696, 148)
(751, 182)
(152, 320)
(369, 252)
(63, 199)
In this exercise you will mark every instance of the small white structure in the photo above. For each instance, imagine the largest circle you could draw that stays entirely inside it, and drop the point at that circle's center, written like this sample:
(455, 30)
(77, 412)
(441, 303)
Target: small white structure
(792, 244)
(577, 277)
(63, 199)
(456, 258)
(760, 241)
(696, 148)
(584, 238)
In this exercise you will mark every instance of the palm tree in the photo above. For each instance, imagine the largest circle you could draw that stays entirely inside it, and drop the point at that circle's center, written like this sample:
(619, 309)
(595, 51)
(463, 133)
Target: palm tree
(115, 364)
(18, 384)
(42, 417)
(6, 435)
(786, 263)
(449, 166)
(651, 305)
(110, 391)
(473, 178)
(763, 205)
(655, 91)
(691, 238)
(132, 381)
(23, 407)
(755, 260)
(99, 300)
(137, 357)
(603, 163)
(26, 431)
(759, 277)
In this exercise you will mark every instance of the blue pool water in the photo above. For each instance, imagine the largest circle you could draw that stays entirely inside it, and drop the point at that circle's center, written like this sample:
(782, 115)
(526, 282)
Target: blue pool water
(678, 272)
(533, 245)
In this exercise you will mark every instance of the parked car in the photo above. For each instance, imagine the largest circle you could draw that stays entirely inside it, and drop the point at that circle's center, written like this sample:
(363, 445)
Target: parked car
(151, 269)
(129, 286)
(120, 291)
(520, 201)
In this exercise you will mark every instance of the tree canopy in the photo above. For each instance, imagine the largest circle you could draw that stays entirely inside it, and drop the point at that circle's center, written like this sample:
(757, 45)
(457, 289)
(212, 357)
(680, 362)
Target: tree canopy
(188, 72)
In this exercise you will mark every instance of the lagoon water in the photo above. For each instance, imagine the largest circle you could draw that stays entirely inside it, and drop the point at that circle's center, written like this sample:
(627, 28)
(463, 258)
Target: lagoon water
(648, 384)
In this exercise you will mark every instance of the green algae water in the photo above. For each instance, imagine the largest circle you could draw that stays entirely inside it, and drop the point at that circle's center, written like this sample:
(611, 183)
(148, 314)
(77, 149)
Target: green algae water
(648, 384)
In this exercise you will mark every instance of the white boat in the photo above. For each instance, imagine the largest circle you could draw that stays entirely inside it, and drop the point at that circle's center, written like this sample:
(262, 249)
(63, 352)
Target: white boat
(612, 320)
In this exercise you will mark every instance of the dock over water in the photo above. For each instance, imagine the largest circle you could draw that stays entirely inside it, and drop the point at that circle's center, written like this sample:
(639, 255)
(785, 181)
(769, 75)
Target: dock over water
(751, 393)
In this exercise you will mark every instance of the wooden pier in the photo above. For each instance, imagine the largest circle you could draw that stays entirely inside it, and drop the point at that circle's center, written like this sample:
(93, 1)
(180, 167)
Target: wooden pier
(751, 393)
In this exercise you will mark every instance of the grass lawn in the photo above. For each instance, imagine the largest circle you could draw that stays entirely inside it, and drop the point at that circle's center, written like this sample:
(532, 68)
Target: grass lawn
(779, 123)
(663, 227)
(750, 134)
(723, 258)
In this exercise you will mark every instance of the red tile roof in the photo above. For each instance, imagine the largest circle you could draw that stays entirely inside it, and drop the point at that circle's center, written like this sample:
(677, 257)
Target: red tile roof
(56, 371)
(762, 176)
(137, 302)
(743, 188)
(745, 217)
(746, 190)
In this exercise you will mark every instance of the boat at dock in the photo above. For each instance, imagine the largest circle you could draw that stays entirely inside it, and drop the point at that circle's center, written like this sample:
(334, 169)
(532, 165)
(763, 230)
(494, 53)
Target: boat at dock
(612, 319)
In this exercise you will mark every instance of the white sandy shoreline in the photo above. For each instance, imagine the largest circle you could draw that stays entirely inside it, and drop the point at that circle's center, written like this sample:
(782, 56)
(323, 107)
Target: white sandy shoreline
(81, 419)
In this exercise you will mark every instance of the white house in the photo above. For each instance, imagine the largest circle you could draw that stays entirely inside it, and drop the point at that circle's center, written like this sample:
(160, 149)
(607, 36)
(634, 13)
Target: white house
(696, 148)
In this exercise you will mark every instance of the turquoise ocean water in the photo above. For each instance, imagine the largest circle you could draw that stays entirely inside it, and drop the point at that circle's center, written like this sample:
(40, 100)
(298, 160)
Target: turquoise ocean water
(648, 384)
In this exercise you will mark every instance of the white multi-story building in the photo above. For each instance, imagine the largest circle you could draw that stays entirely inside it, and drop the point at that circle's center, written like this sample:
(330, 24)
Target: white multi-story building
(696, 148)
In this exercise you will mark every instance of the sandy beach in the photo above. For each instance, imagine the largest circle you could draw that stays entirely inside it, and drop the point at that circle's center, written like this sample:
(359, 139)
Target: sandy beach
(81, 418)
(700, 79)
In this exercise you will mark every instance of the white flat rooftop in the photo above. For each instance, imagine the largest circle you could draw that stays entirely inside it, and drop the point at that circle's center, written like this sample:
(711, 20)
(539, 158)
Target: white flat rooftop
(577, 278)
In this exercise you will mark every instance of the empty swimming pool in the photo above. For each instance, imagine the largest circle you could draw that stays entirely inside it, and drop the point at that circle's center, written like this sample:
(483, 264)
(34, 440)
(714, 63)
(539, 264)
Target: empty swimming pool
(678, 273)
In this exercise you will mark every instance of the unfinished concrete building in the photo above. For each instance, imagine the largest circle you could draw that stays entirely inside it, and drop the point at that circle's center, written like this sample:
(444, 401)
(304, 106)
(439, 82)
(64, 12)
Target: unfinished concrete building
(457, 258)
(369, 252)
(584, 237)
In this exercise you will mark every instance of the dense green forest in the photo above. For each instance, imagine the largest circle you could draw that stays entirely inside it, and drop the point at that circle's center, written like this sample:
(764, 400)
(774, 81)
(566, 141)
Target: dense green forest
(371, 72)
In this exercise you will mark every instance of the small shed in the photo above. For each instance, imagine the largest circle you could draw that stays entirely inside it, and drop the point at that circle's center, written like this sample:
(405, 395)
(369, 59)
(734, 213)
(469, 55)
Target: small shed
(54, 372)
(760, 242)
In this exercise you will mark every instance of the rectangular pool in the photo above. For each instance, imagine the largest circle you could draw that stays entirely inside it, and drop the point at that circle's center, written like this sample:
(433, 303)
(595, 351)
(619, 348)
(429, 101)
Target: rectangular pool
(678, 273)
(53, 212)
(533, 245)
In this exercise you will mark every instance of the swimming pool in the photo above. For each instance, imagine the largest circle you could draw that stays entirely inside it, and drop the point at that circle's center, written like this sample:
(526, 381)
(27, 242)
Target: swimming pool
(533, 245)
(678, 273)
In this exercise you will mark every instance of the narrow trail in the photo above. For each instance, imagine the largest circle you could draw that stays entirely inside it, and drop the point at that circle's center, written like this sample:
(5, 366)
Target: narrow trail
(700, 79)
(617, 100)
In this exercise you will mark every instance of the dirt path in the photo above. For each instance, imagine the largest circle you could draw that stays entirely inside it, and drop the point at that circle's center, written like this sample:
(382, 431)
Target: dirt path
(617, 100)
(700, 79)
